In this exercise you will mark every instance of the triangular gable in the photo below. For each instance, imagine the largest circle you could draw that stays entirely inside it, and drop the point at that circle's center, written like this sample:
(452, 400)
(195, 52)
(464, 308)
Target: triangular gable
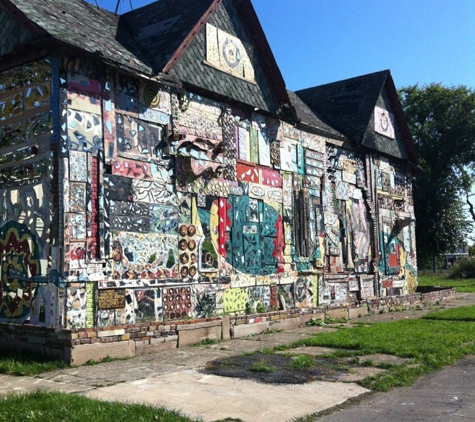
(214, 46)
(352, 105)
(389, 100)
(387, 130)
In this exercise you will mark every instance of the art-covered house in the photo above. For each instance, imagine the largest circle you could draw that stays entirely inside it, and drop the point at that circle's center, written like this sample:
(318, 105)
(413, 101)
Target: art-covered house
(155, 170)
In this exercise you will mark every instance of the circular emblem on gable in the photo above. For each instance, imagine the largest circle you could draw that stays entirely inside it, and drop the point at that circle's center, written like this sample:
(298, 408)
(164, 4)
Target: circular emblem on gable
(231, 53)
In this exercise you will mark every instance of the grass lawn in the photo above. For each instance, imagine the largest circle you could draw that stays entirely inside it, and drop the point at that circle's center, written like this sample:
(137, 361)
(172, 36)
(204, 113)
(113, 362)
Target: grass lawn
(461, 285)
(26, 365)
(437, 340)
(70, 407)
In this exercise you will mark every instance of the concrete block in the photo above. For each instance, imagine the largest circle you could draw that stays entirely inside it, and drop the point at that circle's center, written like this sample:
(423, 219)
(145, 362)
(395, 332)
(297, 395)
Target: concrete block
(54, 353)
(36, 340)
(225, 328)
(158, 340)
(249, 329)
(156, 348)
(337, 313)
(284, 324)
(81, 354)
(354, 313)
(188, 337)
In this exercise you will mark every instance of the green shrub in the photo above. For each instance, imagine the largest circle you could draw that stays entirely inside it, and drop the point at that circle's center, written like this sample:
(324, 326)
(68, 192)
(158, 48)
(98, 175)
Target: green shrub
(464, 268)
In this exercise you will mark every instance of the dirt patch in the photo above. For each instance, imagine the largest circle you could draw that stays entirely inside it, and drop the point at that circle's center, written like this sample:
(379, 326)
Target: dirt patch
(279, 369)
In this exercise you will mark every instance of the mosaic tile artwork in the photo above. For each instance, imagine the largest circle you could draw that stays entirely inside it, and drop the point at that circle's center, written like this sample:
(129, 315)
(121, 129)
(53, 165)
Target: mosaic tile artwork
(144, 255)
(259, 295)
(84, 131)
(303, 293)
(177, 303)
(179, 205)
(205, 305)
(76, 305)
(201, 118)
(229, 171)
(135, 138)
(148, 305)
(77, 197)
(77, 166)
(153, 192)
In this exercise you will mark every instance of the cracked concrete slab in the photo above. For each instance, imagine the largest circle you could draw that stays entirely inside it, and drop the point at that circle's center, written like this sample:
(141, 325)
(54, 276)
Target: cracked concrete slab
(212, 397)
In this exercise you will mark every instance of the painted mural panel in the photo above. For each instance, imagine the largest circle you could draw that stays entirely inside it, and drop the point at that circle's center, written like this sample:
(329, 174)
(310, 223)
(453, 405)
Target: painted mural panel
(154, 104)
(144, 255)
(234, 300)
(200, 117)
(135, 138)
(205, 304)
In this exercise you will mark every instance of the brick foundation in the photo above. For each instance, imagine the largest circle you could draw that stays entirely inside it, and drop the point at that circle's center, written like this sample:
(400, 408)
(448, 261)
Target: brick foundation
(77, 347)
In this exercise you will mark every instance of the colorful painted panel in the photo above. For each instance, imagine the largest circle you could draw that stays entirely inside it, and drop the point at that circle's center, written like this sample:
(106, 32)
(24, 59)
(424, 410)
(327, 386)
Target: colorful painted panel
(247, 173)
(234, 300)
(19, 266)
(243, 142)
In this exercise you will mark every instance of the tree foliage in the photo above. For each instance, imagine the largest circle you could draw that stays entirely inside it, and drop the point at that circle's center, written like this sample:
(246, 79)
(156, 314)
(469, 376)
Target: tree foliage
(442, 124)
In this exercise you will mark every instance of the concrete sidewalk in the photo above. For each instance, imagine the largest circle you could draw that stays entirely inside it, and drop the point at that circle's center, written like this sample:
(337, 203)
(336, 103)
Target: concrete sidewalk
(173, 379)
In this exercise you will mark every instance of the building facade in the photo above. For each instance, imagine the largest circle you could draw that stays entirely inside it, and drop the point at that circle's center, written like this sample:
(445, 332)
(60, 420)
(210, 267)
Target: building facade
(154, 168)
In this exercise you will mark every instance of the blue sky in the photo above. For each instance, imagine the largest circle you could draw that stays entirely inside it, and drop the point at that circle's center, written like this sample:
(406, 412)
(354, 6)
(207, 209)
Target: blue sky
(319, 41)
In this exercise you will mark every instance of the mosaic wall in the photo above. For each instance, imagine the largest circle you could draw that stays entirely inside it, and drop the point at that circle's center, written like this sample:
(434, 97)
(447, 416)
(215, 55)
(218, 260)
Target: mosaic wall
(176, 206)
(29, 260)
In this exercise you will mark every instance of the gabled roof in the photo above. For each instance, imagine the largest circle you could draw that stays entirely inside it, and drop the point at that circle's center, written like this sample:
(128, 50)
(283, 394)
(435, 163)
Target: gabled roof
(162, 27)
(348, 106)
(148, 40)
(81, 25)
(312, 120)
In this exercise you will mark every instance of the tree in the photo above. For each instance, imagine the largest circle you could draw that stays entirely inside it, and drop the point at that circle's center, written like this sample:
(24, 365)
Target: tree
(442, 124)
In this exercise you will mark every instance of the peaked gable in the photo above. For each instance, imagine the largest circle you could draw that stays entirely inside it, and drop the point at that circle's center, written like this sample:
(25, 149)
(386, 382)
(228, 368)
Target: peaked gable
(195, 67)
(190, 40)
(347, 104)
(167, 37)
(351, 105)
